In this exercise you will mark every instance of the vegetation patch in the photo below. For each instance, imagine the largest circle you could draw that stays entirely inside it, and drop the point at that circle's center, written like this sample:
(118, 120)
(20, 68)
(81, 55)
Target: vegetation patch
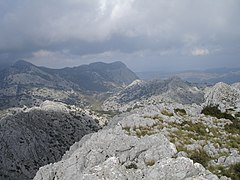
(237, 114)
(181, 148)
(127, 129)
(155, 117)
(233, 171)
(200, 156)
(198, 128)
(142, 131)
(132, 166)
(150, 162)
(109, 113)
(167, 113)
(233, 141)
(215, 112)
(234, 127)
(181, 112)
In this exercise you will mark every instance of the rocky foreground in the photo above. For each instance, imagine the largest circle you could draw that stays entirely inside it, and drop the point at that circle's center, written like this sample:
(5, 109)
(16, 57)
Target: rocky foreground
(114, 154)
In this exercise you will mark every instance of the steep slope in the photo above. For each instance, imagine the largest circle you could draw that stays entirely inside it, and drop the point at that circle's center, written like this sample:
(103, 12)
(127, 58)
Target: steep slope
(97, 76)
(23, 73)
(31, 138)
(143, 92)
(26, 84)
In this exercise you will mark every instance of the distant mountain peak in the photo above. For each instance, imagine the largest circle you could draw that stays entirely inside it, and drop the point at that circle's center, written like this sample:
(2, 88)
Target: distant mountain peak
(113, 65)
(22, 64)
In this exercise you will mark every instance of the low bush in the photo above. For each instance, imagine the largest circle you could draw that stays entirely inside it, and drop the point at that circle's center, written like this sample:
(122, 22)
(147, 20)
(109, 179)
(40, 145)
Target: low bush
(181, 112)
(200, 156)
(215, 112)
(198, 128)
(131, 166)
(233, 171)
(150, 162)
(167, 113)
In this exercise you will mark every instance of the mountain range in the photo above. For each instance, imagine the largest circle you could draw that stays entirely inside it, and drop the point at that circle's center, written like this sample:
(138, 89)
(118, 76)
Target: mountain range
(27, 84)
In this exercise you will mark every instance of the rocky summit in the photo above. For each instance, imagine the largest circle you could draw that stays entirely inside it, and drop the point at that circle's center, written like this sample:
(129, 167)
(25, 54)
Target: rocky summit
(33, 137)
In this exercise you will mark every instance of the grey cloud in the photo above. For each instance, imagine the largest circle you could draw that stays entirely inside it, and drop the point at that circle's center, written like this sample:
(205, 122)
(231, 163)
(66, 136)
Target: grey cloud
(70, 30)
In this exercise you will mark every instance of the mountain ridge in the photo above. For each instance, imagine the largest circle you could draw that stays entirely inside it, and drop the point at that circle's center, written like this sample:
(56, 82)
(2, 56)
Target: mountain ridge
(26, 84)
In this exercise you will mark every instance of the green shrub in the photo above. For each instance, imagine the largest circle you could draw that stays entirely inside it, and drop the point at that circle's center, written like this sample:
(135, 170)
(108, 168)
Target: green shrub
(166, 113)
(131, 166)
(181, 112)
(181, 148)
(127, 128)
(198, 128)
(237, 114)
(215, 112)
(150, 162)
(200, 156)
(142, 131)
(233, 128)
(233, 171)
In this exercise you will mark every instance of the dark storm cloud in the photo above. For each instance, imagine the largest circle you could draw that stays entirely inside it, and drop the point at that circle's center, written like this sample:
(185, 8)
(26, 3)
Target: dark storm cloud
(143, 34)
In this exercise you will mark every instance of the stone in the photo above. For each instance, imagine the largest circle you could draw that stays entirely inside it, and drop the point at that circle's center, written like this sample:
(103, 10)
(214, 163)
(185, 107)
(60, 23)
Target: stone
(210, 150)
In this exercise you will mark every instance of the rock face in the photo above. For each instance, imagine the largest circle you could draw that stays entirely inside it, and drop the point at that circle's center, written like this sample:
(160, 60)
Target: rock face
(112, 153)
(31, 138)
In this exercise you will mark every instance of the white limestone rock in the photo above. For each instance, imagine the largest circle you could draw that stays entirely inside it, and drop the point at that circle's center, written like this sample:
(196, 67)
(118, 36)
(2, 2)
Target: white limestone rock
(112, 154)
(223, 95)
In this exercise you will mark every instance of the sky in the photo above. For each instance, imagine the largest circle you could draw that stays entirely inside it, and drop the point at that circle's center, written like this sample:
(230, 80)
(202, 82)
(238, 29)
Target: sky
(155, 35)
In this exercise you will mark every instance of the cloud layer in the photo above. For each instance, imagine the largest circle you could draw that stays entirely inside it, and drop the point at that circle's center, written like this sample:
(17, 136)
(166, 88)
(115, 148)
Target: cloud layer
(61, 33)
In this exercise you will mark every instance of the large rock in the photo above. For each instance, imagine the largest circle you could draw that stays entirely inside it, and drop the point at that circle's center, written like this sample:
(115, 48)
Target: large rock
(223, 95)
(34, 137)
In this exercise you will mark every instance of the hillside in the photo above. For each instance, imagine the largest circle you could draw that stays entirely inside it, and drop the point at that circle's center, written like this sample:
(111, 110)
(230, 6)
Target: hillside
(31, 138)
